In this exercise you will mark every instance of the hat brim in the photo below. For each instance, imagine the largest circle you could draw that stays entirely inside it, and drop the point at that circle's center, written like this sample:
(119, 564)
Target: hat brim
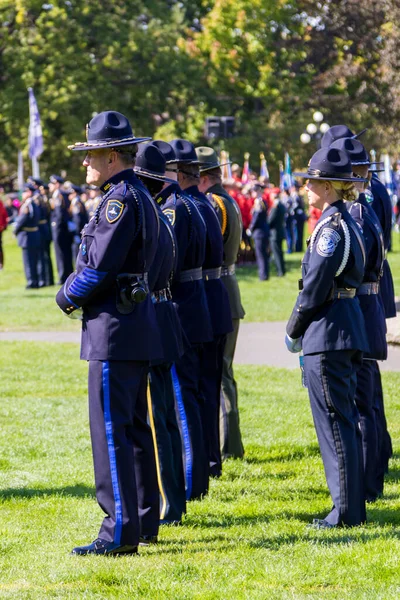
(376, 169)
(214, 166)
(317, 178)
(85, 146)
(185, 161)
(152, 175)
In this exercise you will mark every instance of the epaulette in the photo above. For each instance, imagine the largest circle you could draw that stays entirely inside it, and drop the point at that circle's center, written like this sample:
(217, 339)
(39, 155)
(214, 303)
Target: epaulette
(336, 219)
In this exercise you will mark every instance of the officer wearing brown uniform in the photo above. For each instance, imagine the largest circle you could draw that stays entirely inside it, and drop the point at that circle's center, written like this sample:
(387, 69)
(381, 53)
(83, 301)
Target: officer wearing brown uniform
(231, 227)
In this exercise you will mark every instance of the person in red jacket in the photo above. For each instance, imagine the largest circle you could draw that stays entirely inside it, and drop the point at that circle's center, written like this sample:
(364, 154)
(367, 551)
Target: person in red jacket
(3, 226)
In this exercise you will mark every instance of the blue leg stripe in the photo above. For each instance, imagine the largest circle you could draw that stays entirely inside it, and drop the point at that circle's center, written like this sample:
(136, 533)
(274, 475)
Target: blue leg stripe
(185, 433)
(111, 453)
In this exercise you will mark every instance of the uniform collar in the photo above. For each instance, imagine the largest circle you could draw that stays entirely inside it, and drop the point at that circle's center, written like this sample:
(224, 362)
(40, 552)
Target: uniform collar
(126, 175)
(166, 192)
(217, 188)
(337, 206)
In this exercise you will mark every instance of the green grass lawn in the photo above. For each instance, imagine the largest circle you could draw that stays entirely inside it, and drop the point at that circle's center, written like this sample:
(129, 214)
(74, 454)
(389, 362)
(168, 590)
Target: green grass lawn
(247, 540)
(26, 310)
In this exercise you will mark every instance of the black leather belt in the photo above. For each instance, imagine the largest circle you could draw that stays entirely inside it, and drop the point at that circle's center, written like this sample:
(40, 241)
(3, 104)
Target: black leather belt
(342, 293)
(228, 270)
(368, 289)
(211, 273)
(191, 275)
(160, 296)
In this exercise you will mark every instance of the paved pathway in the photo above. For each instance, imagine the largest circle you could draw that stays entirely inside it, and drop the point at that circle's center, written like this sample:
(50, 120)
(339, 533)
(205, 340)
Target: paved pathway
(258, 344)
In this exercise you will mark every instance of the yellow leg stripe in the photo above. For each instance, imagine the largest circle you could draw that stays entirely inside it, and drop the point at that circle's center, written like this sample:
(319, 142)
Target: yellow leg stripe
(153, 432)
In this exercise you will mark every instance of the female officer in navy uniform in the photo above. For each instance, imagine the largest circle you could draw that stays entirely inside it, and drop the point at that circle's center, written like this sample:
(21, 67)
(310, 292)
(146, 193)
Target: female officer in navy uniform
(328, 324)
(373, 311)
(120, 335)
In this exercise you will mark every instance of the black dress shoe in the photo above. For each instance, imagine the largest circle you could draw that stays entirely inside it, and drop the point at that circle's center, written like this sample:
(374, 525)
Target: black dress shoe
(100, 546)
(321, 524)
(147, 540)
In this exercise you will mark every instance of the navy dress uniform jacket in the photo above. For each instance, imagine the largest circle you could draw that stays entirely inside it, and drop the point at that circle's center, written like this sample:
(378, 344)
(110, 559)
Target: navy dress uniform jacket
(190, 234)
(259, 223)
(217, 296)
(371, 304)
(112, 244)
(382, 206)
(27, 225)
(330, 324)
(160, 273)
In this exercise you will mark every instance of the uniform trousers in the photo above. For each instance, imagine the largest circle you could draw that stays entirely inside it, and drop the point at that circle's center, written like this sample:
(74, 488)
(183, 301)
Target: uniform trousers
(365, 398)
(62, 248)
(30, 260)
(186, 377)
(262, 258)
(211, 379)
(168, 444)
(48, 265)
(123, 451)
(385, 450)
(332, 379)
(277, 252)
(230, 436)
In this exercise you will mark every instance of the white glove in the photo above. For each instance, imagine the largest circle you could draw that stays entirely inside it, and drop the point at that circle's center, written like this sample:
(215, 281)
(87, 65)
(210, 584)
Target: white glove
(248, 232)
(293, 345)
(76, 314)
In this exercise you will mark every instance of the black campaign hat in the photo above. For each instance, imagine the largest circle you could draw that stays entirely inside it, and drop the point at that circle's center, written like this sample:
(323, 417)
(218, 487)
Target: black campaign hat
(35, 180)
(28, 186)
(356, 151)
(151, 163)
(184, 152)
(330, 164)
(108, 129)
(337, 132)
(166, 150)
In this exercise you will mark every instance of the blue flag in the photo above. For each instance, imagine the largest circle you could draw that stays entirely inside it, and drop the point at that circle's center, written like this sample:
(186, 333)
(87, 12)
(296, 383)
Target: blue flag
(35, 128)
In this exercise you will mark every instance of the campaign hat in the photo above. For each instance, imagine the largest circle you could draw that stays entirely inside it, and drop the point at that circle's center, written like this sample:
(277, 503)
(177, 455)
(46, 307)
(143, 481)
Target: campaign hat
(56, 179)
(150, 163)
(108, 129)
(166, 150)
(208, 159)
(336, 132)
(330, 164)
(185, 152)
(355, 149)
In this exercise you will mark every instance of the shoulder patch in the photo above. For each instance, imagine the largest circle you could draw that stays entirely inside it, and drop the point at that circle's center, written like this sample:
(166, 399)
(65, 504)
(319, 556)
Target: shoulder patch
(327, 242)
(368, 196)
(170, 214)
(114, 210)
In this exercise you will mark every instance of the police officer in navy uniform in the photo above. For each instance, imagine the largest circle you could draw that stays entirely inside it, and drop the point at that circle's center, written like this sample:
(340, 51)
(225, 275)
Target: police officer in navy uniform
(45, 268)
(259, 231)
(28, 236)
(119, 334)
(230, 219)
(150, 168)
(327, 323)
(60, 228)
(188, 292)
(217, 298)
(372, 308)
(378, 197)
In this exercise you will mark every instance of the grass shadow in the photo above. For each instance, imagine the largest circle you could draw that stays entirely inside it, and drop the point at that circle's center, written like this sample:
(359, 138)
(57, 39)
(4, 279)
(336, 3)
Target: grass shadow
(75, 491)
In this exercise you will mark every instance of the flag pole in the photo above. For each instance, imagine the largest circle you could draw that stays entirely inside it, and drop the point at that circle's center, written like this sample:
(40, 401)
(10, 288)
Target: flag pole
(20, 171)
(35, 134)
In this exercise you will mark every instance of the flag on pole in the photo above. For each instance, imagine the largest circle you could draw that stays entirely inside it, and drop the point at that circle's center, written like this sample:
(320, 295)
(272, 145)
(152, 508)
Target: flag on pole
(281, 176)
(264, 173)
(20, 171)
(287, 178)
(35, 128)
(246, 168)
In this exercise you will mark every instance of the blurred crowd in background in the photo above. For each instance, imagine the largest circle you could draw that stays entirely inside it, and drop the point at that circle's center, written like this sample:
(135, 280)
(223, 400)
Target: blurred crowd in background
(276, 219)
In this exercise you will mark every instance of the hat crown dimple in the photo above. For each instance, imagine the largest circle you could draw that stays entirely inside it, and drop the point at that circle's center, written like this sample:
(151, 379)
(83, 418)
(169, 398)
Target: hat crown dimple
(331, 161)
(108, 125)
(334, 133)
(354, 148)
(184, 150)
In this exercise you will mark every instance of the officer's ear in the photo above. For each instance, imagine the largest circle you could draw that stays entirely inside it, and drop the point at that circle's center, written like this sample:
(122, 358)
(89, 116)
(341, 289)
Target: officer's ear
(112, 157)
